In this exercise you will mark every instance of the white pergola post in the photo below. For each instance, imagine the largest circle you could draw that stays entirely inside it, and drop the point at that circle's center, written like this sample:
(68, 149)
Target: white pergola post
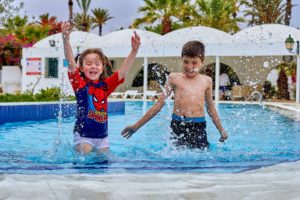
(217, 77)
(298, 80)
(145, 81)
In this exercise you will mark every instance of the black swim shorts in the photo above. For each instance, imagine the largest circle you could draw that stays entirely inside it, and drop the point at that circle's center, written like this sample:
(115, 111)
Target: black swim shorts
(189, 133)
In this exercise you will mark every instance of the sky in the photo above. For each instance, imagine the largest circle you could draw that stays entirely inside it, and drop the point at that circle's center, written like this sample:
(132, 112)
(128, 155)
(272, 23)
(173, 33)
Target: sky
(123, 11)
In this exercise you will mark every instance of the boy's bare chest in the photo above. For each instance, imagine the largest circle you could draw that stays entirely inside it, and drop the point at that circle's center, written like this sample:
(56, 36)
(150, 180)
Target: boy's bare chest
(190, 87)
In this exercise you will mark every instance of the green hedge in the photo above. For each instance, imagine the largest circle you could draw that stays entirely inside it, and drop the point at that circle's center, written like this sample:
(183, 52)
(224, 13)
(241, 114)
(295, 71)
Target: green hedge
(48, 94)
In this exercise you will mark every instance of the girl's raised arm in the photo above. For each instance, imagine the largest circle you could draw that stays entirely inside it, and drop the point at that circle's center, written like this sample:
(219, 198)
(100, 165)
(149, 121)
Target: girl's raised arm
(127, 64)
(66, 30)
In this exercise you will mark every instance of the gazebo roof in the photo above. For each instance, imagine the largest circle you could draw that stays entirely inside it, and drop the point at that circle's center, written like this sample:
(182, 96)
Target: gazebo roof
(122, 37)
(171, 43)
(78, 38)
(204, 34)
(263, 40)
(267, 33)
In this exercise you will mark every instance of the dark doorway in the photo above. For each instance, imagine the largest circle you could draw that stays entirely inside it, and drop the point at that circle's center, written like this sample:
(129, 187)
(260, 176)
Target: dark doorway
(156, 72)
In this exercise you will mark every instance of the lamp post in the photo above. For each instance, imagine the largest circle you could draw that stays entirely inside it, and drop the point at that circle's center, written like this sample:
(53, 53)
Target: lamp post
(70, 4)
(52, 43)
(289, 44)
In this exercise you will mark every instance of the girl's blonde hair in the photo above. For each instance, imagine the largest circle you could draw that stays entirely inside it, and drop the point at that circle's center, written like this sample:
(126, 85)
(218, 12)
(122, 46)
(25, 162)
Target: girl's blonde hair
(107, 66)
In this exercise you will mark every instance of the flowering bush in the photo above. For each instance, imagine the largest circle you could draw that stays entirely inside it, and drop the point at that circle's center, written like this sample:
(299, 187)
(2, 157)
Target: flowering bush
(10, 50)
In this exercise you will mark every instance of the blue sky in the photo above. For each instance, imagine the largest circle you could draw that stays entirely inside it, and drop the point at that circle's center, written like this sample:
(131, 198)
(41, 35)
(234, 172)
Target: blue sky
(123, 11)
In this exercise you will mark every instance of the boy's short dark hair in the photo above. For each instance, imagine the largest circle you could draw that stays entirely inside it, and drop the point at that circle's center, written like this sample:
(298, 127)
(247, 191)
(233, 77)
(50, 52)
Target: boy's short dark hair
(193, 49)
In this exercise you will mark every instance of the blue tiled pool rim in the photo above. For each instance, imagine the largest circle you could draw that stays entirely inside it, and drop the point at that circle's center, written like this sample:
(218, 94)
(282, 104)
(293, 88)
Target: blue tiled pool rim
(37, 111)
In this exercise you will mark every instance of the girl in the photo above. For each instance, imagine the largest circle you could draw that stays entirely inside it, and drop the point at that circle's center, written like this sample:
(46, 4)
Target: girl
(93, 81)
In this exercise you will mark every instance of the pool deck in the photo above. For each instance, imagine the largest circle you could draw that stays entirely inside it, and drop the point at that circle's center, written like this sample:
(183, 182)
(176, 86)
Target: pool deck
(281, 181)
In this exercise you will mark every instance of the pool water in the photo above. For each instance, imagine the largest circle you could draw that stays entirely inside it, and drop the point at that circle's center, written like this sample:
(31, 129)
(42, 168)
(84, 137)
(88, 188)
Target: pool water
(258, 137)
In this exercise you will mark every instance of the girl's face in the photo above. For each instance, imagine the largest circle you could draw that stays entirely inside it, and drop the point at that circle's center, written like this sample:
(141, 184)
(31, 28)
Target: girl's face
(92, 66)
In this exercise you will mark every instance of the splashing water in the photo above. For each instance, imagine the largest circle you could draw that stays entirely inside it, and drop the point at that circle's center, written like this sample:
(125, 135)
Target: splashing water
(258, 137)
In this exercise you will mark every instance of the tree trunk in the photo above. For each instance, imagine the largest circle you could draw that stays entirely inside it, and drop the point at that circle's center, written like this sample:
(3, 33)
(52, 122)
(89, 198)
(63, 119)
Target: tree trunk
(166, 25)
(100, 29)
(283, 86)
(288, 12)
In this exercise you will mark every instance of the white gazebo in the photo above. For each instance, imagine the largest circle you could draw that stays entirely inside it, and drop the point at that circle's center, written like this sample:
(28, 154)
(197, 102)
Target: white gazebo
(251, 53)
(267, 41)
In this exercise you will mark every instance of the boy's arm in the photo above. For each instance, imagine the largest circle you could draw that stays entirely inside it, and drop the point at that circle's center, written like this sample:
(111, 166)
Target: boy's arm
(130, 130)
(126, 65)
(66, 30)
(213, 112)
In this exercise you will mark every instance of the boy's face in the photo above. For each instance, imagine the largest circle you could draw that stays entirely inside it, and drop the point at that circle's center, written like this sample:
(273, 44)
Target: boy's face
(92, 66)
(191, 66)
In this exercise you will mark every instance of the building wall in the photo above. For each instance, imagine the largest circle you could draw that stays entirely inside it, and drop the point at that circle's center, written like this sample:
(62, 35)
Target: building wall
(39, 81)
(11, 78)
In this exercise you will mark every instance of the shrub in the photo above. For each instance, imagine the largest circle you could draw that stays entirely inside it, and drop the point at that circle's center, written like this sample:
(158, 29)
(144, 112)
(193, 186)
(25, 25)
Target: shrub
(48, 94)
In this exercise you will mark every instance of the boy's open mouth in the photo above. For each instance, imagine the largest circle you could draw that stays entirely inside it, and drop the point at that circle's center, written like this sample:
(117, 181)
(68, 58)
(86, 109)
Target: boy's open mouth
(192, 70)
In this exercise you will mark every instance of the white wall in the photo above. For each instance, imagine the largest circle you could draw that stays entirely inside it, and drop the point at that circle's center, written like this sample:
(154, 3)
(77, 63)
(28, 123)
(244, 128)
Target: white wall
(11, 77)
(41, 82)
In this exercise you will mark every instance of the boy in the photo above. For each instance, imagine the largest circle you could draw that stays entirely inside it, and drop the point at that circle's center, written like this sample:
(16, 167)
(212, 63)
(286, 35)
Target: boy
(191, 91)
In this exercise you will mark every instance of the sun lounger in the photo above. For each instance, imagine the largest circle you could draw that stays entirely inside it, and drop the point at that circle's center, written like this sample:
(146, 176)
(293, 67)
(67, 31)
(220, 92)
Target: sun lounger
(132, 94)
(117, 94)
(152, 94)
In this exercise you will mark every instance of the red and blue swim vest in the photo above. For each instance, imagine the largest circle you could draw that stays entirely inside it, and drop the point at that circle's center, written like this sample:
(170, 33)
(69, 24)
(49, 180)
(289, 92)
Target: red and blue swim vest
(91, 96)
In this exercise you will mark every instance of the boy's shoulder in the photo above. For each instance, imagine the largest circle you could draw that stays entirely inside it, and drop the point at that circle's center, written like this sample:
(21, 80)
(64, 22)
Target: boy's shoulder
(176, 74)
(205, 77)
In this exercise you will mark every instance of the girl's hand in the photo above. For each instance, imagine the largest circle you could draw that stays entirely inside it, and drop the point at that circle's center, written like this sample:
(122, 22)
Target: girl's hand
(135, 42)
(66, 29)
(128, 132)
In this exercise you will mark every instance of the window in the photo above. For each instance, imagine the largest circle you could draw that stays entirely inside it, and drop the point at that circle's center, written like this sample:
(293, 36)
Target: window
(112, 64)
(51, 67)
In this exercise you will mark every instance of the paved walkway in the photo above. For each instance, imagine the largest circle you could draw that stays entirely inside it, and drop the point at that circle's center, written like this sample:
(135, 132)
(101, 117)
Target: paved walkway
(277, 182)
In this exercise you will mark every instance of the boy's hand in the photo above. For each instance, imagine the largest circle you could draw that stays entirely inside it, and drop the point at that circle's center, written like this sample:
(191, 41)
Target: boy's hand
(224, 136)
(135, 42)
(128, 132)
(66, 29)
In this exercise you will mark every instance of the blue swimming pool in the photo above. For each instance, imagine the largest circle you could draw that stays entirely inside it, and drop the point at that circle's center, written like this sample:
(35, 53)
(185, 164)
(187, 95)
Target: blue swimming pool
(258, 137)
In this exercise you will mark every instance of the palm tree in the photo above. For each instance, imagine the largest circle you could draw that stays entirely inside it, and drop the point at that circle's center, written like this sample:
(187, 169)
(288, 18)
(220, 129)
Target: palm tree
(11, 25)
(84, 5)
(100, 17)
(8, 8)
(31, 33)
(163, 12)
(82, 23)
(46, 20)
(265, 11)
(288, 12)
(217, 14)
